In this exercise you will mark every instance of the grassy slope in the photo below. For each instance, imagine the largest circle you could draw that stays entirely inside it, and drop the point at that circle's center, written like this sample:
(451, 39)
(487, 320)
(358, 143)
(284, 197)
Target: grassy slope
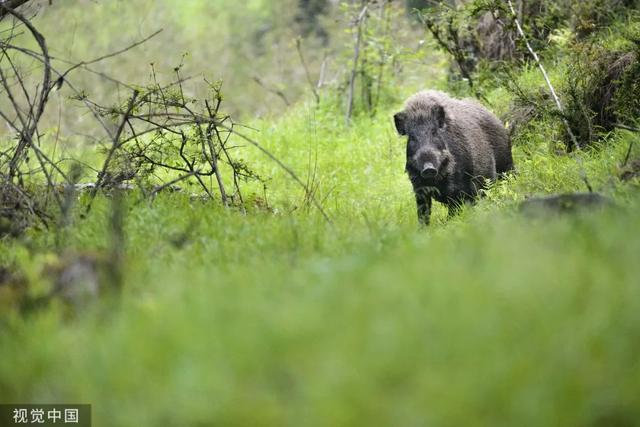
(280, 319)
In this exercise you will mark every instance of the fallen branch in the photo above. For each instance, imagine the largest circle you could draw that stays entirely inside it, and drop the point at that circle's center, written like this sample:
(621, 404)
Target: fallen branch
(626, 127)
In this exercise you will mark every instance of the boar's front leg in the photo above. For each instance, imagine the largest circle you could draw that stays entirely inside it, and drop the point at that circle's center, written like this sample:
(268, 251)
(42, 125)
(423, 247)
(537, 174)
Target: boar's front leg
(423, 202)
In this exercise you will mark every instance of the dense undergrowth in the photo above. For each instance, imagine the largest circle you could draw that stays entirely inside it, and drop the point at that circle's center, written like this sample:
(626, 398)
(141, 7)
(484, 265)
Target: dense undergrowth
(277, 317)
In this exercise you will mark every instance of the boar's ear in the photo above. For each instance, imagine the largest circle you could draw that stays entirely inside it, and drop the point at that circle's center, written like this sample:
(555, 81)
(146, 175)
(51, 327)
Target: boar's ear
(439, 115)
(400, 119)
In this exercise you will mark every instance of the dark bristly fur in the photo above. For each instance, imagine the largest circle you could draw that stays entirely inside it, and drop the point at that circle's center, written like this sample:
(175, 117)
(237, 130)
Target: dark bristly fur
(453, 147)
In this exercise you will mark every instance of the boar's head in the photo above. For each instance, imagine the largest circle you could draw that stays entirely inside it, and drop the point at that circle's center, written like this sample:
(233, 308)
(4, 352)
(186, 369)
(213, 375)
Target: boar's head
(427, 150)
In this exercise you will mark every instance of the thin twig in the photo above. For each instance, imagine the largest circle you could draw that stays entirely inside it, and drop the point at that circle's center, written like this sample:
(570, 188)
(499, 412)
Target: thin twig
(306, 70)
(173, 182)
(356, 56)
(114, 147)
(284, 167)
(323, 67)
(213, 160)
(109, 55)
(452, 47)
(275, 91)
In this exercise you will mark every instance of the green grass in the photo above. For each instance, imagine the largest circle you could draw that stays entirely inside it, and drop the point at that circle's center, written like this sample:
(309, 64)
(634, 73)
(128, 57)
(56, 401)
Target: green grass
(532, 324)
(277, 318)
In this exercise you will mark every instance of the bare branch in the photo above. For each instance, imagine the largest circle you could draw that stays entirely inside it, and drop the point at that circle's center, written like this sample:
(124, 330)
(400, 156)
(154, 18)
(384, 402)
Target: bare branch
(109, 55)
(356, 56)
(275, 91)
(626, 127)
(284, 167)
(306, 70)
(7, 5)
(114, 146)
(323, 67)
(26, 136)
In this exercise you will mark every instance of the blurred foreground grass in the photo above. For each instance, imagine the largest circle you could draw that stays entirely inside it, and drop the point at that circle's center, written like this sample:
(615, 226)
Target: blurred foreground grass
(279, 321)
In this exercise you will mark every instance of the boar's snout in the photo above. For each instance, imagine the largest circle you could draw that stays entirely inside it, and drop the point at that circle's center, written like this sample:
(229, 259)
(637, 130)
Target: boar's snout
(429, 171)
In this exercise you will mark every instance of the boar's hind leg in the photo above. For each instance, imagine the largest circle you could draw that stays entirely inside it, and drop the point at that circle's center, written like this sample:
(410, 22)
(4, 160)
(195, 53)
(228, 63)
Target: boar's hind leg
(423, 202)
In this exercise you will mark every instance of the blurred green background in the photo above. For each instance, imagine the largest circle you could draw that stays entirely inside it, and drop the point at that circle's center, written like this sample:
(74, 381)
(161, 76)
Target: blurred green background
(235, 42)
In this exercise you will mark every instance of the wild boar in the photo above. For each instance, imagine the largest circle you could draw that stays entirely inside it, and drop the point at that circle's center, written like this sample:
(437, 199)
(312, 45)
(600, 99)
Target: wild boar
(454, 146)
